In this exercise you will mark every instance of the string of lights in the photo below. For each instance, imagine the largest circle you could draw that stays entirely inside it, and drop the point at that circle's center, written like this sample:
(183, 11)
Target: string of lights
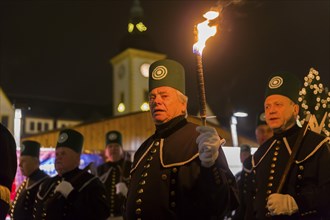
(314, 98)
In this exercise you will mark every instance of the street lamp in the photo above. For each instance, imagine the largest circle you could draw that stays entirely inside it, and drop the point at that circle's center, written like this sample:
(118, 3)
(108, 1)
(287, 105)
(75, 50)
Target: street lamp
(17, 126)
(233, 126)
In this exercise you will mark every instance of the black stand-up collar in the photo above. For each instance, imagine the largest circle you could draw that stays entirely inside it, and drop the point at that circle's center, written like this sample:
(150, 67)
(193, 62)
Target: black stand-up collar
(168, 128)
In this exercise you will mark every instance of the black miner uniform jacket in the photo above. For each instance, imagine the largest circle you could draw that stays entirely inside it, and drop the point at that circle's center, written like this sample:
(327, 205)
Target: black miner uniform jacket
(308, 181)
(87, 201)
(111, 173)
(22, 206)
(168, 182)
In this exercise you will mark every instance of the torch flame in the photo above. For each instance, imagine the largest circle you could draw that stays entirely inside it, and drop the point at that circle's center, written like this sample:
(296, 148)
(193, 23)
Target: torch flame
(204, 31)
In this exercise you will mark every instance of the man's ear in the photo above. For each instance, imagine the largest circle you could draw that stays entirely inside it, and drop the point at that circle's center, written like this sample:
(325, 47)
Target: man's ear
(296, 109)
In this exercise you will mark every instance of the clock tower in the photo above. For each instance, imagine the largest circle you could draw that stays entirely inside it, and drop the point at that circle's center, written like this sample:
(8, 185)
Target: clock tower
(131, 66)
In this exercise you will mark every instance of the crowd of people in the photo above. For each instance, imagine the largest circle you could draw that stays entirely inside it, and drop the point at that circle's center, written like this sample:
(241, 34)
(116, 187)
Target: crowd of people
(180, 171)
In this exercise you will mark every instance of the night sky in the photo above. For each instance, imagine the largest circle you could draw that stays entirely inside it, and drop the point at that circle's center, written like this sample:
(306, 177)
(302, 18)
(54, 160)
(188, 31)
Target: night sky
(60, 50)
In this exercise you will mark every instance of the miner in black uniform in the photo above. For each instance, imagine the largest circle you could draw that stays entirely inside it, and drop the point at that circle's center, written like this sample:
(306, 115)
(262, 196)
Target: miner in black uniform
(245, 152)
(180, 172)
(263, 132)
(8, 166)
(306, 192)
(23, 204)
(114, 173)
(73, 194)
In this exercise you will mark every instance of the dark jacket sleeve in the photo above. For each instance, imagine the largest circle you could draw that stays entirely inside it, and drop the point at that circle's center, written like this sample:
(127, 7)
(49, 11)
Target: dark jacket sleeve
(219, 186)
(314, 199)
(90, 202)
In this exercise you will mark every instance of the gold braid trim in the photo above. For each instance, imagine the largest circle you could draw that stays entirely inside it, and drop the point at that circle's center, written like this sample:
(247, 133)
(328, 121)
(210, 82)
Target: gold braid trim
(4, 194)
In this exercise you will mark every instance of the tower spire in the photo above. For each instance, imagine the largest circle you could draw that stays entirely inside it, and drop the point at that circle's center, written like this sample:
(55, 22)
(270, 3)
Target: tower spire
(137, 35)
(136, 24)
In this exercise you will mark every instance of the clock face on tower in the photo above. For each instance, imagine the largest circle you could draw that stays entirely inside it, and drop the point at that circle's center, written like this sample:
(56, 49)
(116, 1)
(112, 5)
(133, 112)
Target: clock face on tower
(144, 69)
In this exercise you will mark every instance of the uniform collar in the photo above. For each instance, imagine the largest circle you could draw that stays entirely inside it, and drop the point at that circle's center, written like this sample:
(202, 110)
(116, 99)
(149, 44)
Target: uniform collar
(69, 175)
(287, 133)
(168, 128)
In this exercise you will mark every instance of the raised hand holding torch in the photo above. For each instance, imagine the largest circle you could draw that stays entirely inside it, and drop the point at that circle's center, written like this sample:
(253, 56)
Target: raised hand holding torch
(208, 141)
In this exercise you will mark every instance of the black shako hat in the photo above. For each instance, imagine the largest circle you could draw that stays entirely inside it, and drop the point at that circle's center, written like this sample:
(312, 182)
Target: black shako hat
(285, 84)
(71, 139)
(30, 148)
(113, 137)
(167, 73)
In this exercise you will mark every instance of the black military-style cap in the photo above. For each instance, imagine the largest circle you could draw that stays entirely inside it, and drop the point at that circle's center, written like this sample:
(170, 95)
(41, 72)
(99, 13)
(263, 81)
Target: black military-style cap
(113, 137)
(30, 148)
(167, 73)
(285, 84)
(71, 139)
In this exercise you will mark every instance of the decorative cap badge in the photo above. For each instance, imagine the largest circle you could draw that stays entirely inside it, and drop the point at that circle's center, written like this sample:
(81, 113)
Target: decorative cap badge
(262, 117)
(113, 136)
(62, 138)
(159, 73)
(275, 82)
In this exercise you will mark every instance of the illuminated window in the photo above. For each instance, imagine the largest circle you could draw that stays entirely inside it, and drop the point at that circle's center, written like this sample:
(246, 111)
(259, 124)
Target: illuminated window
(32, 126)
(141, 27)
(130, 27)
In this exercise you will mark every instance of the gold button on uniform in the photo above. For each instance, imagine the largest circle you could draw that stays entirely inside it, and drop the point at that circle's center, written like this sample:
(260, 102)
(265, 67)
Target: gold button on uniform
(164, 177)
(138, 211)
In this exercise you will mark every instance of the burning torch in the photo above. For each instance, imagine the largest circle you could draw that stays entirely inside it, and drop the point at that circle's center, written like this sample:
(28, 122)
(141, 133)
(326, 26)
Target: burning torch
(202, 32)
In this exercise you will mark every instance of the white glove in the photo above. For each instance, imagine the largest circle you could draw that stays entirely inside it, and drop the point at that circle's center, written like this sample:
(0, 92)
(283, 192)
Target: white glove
(208, 145)
(279, 204)
(64, 188)
(121, 188)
